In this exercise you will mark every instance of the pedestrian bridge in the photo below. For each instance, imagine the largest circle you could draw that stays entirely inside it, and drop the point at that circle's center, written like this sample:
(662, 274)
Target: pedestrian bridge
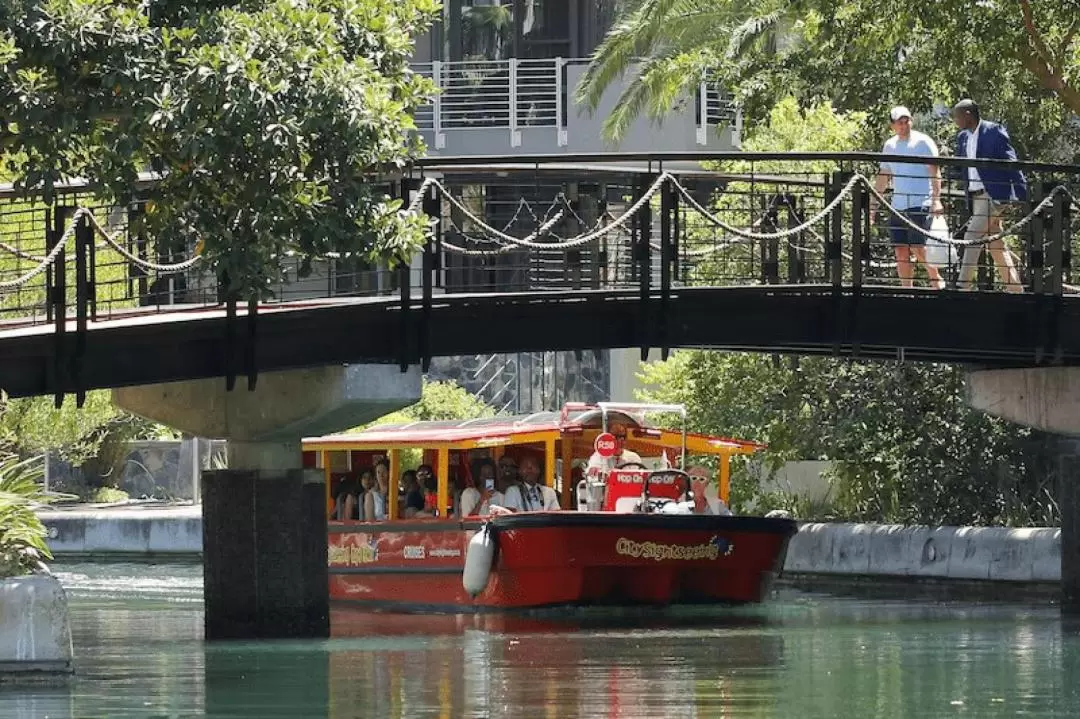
(758, 252)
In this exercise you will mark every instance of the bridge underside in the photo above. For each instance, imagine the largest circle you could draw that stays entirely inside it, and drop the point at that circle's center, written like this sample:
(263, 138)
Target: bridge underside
(988, 329)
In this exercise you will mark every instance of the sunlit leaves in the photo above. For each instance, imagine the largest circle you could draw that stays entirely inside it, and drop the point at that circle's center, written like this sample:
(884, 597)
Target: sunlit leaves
(272, 121)
(860, 55)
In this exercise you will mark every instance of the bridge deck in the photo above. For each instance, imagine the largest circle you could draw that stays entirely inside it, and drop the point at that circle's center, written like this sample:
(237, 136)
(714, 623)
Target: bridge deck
(986, 328)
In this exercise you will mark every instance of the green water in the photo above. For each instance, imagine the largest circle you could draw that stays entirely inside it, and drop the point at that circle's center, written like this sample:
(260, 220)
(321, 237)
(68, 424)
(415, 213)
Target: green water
(139, 651)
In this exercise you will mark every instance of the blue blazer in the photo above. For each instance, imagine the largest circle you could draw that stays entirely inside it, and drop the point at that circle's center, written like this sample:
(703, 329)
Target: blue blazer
(1002, 185)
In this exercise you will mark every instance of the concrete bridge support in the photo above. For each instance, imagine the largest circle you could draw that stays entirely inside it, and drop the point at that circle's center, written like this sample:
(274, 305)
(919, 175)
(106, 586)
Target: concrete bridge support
(1048, 399)
(264, 518)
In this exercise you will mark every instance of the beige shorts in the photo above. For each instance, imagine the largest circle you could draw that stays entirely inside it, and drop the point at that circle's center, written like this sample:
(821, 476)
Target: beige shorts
(983, 212)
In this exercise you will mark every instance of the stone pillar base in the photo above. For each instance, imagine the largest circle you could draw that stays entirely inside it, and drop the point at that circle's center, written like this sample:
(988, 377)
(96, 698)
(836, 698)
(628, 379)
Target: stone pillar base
(264, 555)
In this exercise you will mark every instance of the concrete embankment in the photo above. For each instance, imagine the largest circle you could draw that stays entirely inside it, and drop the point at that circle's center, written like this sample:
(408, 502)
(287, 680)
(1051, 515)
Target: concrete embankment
(964, 553)
(125, 531)
(838, 550)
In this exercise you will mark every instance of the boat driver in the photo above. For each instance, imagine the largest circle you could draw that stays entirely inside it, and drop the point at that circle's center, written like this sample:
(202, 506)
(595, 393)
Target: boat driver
(623, 456)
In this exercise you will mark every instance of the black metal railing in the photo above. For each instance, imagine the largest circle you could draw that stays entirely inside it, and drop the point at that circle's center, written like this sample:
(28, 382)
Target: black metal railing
(645, 224)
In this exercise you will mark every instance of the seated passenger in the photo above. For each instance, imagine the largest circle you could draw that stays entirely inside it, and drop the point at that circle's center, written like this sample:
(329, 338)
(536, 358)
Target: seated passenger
(346, 500)
(530, 495)
(475, 502)
(414, 495)
(622, 454)
(429, 486)
(375, 501)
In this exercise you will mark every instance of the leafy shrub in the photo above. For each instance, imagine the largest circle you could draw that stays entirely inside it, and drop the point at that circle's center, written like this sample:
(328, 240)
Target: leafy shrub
(22, 534)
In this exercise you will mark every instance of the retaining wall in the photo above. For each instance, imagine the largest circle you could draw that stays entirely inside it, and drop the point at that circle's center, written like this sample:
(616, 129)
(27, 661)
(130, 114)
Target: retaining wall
(124, 531)
(986, 553)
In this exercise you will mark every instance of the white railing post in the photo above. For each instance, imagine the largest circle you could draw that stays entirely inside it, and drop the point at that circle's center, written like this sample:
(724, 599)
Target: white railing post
(736, 135)
(560, 129)
(436, 106)
(515, 134)
(703, 114)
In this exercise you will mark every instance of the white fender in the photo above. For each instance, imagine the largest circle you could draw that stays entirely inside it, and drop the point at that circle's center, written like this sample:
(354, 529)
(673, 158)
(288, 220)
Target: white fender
(479, 556)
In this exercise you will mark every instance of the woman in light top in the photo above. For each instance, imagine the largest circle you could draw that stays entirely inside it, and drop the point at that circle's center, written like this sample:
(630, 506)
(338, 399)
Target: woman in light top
(375, 500)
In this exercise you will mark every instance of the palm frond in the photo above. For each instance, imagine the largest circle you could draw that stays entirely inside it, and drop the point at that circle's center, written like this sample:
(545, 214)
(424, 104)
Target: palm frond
(754, 29)
(634, 36)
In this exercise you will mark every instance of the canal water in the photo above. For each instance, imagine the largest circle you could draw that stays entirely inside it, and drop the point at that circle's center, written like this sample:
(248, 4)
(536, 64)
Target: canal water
(139, 652)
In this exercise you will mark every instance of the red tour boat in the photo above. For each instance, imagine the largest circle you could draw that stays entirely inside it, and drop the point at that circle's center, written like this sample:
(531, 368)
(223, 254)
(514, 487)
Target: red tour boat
(631, 530)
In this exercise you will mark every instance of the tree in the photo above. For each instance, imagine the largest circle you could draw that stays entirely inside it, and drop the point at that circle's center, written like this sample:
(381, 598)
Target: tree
(1020, 59)
(272, 122)
(905, 445)
(440, 401)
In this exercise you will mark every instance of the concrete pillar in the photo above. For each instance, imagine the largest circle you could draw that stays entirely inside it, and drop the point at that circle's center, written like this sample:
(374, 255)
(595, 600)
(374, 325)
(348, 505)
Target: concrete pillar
(1068, 499)
(1048, 399)
(264, 518)
(265, 546)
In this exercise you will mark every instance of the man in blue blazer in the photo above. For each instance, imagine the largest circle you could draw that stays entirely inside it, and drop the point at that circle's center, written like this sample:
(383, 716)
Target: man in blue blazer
(988, 189)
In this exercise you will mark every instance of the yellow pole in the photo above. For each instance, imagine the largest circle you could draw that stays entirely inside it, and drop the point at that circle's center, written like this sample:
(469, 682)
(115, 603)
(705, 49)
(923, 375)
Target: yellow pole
(444, 481)
(393, 487)
(567, 474)
(325, 456)
(549, 462)
(725, 477)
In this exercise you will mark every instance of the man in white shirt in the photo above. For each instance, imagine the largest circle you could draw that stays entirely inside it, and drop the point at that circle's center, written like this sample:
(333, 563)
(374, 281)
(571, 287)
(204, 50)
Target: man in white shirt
(530, 495)
(916, 190)
(598, 463)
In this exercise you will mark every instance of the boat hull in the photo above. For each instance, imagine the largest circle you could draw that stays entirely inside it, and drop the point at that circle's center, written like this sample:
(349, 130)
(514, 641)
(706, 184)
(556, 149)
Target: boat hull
(559, 559)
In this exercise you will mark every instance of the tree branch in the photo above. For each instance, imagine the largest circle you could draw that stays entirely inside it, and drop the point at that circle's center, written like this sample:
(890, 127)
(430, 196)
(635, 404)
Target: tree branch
(1034, 35)
(1069, 35)
(1050, 79)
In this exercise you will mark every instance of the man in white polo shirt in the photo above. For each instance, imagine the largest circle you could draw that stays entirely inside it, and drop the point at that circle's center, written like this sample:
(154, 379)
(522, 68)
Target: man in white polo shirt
(916, 194)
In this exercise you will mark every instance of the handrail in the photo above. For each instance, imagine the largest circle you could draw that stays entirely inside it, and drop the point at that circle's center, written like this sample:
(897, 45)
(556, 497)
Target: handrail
(656, 160)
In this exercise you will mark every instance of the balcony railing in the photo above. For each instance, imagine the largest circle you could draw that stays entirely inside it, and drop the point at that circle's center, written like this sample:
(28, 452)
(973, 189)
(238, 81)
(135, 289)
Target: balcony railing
(517, 96)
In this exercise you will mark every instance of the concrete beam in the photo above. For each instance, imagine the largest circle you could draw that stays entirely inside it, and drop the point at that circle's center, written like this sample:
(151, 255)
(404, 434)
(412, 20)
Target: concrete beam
(1046, 398)
(285, 405)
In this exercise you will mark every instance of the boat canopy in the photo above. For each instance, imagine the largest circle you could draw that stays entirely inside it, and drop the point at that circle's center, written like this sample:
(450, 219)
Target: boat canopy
(646, 440)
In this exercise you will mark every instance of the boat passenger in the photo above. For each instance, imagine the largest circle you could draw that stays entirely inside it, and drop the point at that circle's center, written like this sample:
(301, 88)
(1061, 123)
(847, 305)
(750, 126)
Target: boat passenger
(475, 502)
(429, 487)
(347, 500)
(414, 495)
(375, 500)
(508, 473)
(622, 455)
(531, 495)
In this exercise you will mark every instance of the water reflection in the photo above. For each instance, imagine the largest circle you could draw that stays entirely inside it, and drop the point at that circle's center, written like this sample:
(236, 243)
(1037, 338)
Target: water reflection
(500, 667)
(140, 654)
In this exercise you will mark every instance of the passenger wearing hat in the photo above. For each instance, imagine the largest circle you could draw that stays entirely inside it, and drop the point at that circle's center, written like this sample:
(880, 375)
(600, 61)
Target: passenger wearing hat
(988, 189)
(916, 195)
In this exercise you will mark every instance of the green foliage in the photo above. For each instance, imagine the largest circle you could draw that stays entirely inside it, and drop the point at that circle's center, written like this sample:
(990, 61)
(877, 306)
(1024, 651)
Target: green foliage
(108, 495)
(22, 535)
(440, 401)
(905, 445)
(272, 121)
(32, 426)
(861, 55)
